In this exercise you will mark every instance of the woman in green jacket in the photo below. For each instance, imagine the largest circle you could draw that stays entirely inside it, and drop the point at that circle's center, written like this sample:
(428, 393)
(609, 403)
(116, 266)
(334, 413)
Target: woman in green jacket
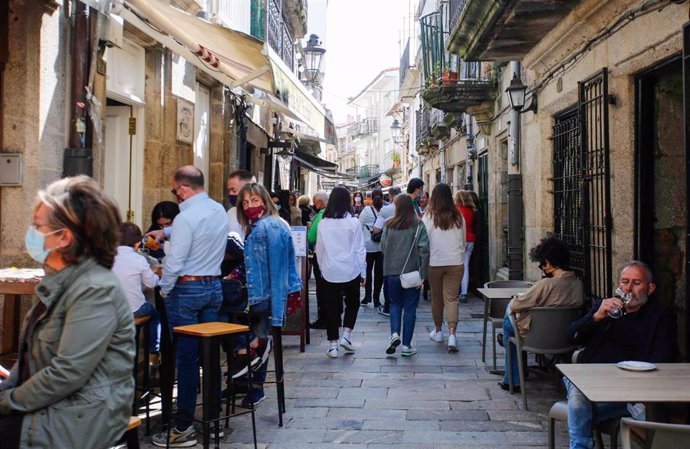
(72, 386)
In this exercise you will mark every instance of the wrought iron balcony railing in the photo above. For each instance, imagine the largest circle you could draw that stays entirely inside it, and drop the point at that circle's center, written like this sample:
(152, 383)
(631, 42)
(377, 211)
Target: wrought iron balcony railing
(405, 62)
(423, 123)
(363, 127)
(279, 37)
(455, 11)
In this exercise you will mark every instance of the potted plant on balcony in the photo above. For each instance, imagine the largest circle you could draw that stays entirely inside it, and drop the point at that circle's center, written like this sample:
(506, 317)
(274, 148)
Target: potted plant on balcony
(396, 159)
(449, 77)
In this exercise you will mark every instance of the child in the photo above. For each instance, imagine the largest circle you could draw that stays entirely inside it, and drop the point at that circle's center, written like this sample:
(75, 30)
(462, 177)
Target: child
(135, 274)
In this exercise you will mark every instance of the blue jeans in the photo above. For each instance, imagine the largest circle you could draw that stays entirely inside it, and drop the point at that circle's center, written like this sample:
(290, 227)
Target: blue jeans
(582, 414)
(191, 303)
(509, 332)
(148, 309)
(403, 308)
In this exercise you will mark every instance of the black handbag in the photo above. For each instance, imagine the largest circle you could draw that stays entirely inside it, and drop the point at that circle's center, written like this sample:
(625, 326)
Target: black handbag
(375, 236)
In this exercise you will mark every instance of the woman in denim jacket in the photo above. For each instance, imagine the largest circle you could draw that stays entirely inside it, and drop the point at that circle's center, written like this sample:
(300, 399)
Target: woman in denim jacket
(269, 260)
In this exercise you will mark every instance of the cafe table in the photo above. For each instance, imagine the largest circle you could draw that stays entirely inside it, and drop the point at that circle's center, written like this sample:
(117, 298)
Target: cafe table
(15, 283)
(606, 382)
(495, 302)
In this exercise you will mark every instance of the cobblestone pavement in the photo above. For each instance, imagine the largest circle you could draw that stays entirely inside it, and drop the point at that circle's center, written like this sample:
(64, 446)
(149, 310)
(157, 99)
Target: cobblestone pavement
(432, 400)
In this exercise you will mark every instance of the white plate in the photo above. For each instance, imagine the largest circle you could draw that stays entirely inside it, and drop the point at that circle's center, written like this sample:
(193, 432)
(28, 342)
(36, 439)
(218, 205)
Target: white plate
(636, 366)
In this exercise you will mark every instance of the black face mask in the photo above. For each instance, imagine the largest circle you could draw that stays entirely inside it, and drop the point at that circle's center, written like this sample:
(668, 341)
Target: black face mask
(233, 200)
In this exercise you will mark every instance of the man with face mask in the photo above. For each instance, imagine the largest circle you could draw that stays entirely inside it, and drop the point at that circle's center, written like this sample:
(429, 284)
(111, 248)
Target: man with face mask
(191, 286)
(237, 180)
(646, 331)
(559, 287)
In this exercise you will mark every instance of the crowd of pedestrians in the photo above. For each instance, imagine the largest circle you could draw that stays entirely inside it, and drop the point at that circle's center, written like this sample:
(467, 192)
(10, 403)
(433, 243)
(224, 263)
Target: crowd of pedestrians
(77, 343)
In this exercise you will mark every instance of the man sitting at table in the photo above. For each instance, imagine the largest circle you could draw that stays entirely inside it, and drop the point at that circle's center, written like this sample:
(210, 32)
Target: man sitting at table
(559, 288)
(646, 331)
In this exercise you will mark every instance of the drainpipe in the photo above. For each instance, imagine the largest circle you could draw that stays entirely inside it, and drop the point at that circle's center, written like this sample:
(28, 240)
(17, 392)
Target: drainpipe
(4, 57)
(515, 206)
(77, 158)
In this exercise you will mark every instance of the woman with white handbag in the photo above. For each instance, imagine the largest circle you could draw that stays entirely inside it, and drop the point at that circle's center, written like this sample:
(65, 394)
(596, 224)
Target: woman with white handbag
(405, 247)
(446, 228)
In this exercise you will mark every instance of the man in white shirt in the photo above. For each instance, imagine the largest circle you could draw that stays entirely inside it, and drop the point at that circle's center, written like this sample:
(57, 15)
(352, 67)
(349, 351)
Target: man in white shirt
(237, 180)
(387, 212)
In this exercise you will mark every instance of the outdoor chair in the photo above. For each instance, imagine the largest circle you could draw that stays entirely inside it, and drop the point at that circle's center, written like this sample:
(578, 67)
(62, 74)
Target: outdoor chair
(494, 311)
(559, 412)
(547, 336)
(658, 435)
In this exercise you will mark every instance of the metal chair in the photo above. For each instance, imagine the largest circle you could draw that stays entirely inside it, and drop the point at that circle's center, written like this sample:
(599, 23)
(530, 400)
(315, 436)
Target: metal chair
(658, 435)
(547, 336)
(494, 311)
(559, 412)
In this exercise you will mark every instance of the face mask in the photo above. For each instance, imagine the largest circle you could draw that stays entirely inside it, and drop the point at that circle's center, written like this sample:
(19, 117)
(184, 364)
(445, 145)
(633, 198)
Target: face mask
(254, 213)
(277, 206)
(233, 200)
(358, 200)
(34, 240)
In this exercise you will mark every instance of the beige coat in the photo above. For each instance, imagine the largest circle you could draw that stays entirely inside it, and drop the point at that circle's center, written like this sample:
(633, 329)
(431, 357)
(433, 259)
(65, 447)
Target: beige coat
(563, 290)
(81, 357)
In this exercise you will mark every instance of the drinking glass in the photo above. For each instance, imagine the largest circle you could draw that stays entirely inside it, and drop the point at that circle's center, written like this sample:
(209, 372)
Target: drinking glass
(625, 298)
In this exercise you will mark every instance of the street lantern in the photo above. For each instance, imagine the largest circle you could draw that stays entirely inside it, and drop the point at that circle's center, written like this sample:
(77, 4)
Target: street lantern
(395, 131)
(313, 59)
(516, 92)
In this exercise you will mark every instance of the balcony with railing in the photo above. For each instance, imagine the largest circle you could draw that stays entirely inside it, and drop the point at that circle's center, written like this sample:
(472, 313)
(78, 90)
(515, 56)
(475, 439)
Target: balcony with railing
(438, 128)
(472, 84)
(363, 127)
(405, 63)
(363, 172)
(423, 128)
(279, 37)
(492, 30)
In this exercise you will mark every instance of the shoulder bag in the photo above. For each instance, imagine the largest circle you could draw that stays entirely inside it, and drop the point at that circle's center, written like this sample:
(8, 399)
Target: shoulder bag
(375, 236)
(413, 279)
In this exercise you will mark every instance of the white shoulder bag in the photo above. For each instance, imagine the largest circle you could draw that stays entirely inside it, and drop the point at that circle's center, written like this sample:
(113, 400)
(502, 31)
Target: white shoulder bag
(412, 279)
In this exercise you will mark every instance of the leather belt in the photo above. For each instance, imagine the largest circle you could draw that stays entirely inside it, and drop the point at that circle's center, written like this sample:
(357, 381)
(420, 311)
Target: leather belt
(188, 278)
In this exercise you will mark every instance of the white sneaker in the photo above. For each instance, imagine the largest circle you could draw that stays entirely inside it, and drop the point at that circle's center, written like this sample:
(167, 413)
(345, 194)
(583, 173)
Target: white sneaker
(346, 344)
(393, 343)
(436, 336)
(452, 344)
(407, 351)
(333, 353)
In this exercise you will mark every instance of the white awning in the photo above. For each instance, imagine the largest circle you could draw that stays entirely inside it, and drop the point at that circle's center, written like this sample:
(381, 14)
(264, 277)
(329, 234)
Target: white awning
(231, 57)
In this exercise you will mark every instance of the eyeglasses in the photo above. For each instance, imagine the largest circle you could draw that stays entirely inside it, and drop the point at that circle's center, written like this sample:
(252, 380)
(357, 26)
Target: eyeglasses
(174, 189)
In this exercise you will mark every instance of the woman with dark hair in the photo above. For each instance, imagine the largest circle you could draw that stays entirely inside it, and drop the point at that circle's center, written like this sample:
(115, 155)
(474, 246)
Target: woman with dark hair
(465, 204)
(560, 287)
(342, 260)
(368, 217)
(357, 203)
(446, 230)
(162, 216)
(405, 246)
(72, 385)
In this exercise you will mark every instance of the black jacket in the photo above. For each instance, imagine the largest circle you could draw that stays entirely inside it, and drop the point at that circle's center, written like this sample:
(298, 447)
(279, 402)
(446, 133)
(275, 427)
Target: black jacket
(648, 335)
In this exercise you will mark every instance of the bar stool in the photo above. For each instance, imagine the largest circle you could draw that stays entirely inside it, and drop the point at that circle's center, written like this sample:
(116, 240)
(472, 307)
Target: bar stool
(140, 323)
(211, 335)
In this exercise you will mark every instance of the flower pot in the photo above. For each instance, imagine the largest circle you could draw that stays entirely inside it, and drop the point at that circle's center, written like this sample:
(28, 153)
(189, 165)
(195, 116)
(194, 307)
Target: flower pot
(449, 78)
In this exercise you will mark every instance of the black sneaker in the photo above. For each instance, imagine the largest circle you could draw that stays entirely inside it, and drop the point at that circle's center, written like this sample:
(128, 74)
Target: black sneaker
(253, 398)
(382, 311)
(317, 324)
(365, 301)
(238, 389)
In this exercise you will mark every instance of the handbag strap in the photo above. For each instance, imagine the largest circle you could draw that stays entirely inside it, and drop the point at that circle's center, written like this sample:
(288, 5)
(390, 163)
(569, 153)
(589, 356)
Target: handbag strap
(414, 241)
(375, 217)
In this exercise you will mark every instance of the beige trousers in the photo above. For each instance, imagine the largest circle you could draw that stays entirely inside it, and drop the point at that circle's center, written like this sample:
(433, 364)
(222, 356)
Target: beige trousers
(444, 283)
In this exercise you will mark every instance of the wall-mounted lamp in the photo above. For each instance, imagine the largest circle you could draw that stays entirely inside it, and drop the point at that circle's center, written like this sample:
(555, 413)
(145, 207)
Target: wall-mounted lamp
(395, 132)
(517, 92)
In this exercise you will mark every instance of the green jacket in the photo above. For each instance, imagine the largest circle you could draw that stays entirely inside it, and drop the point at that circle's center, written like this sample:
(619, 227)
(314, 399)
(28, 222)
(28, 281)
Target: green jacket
(311, 236)
(396, 245)
(81, 355)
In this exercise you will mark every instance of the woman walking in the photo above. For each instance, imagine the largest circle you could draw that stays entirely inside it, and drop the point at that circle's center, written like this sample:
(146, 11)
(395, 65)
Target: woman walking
(342, 260)
(465, 204)
(446, 230)
(357, 203)
(368, 217)
(405, 246)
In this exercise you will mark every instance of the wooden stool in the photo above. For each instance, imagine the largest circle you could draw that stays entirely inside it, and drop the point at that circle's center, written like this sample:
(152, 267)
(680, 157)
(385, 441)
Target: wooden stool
(210, 335)
(139, 323)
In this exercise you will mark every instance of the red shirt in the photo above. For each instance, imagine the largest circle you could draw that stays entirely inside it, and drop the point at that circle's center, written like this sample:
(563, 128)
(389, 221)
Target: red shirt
(468, 215)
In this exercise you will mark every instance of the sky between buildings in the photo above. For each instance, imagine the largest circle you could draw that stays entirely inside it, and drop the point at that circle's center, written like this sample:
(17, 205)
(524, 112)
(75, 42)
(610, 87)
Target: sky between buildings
(363, 38)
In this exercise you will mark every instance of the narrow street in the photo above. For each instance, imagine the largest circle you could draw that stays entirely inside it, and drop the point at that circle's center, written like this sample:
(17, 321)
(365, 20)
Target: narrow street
(432, 400)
